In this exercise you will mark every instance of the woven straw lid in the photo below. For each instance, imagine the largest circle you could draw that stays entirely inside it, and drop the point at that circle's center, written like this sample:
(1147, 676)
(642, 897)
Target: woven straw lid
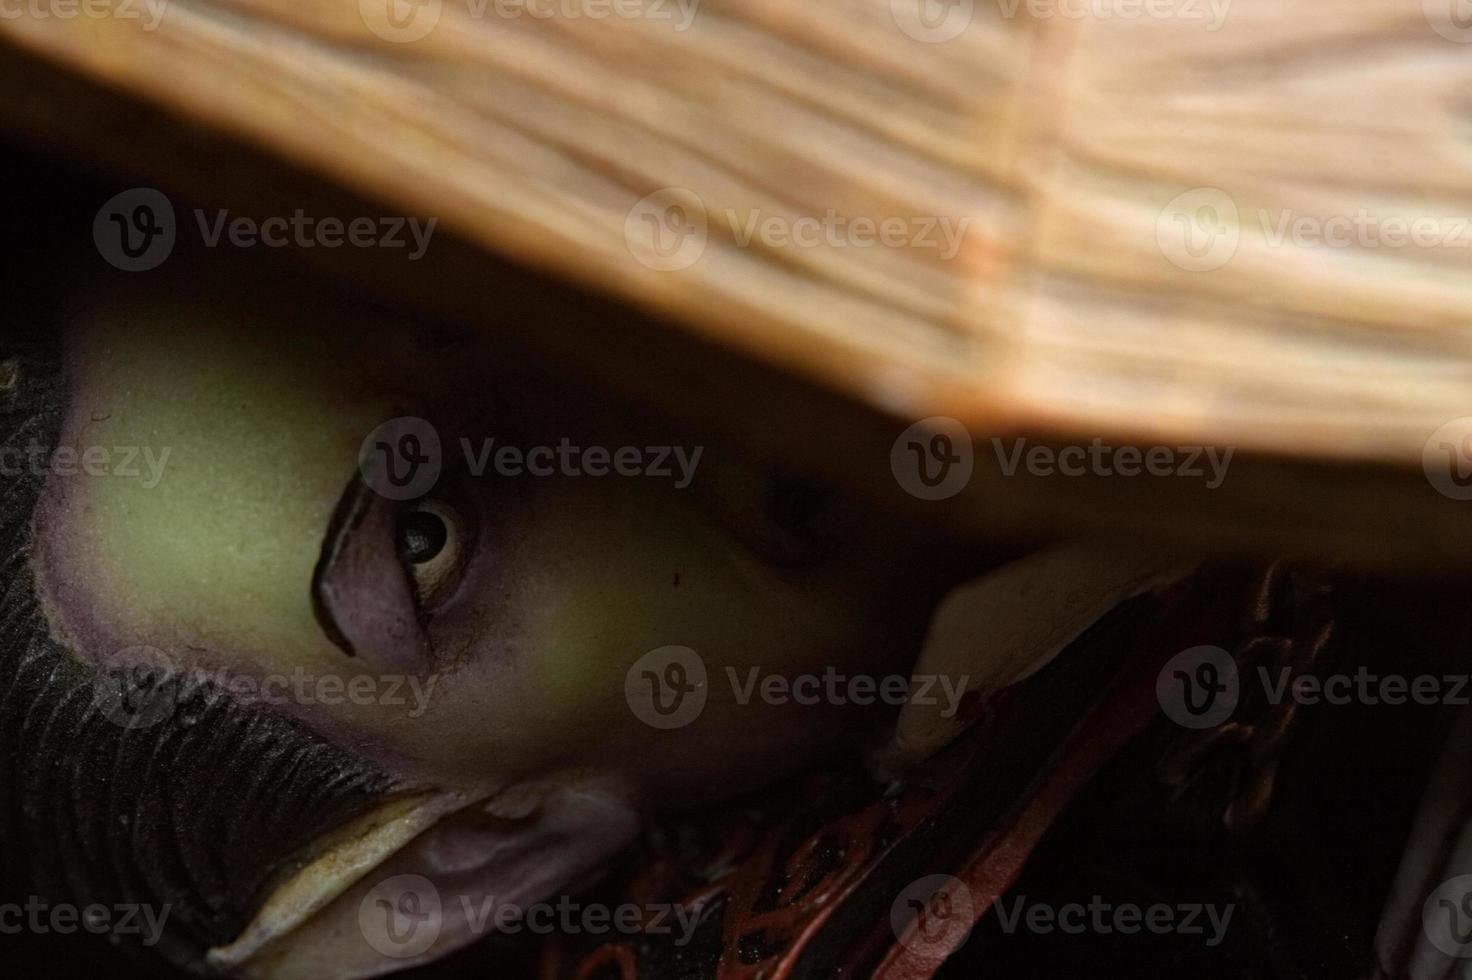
(1240, 225)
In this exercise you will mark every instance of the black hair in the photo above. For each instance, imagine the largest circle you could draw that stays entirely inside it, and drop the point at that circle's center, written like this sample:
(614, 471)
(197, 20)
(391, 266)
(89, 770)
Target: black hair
(202, 812)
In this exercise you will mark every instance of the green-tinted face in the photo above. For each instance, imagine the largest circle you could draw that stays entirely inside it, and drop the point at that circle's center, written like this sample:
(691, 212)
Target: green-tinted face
(494, 617)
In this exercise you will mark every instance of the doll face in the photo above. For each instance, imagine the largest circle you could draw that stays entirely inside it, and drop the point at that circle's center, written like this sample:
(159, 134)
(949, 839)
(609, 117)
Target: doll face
(480, 630)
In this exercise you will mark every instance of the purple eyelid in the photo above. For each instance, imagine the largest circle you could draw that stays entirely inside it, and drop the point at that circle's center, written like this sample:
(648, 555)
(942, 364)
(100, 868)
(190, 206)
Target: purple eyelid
(362, 597)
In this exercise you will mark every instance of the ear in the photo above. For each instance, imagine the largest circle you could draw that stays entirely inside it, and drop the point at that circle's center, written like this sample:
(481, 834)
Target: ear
(462, 877)
(999, 629)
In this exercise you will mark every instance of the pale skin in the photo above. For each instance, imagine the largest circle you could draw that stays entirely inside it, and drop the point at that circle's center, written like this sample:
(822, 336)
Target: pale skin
(537, 594)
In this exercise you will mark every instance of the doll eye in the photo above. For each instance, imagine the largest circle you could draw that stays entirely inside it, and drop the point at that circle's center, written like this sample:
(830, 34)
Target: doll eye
(431, 540)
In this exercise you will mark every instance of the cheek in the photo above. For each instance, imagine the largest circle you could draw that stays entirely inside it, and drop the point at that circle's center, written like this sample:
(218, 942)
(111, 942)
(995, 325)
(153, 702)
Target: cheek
(571, 582)
(210, 538)
(597, 576)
